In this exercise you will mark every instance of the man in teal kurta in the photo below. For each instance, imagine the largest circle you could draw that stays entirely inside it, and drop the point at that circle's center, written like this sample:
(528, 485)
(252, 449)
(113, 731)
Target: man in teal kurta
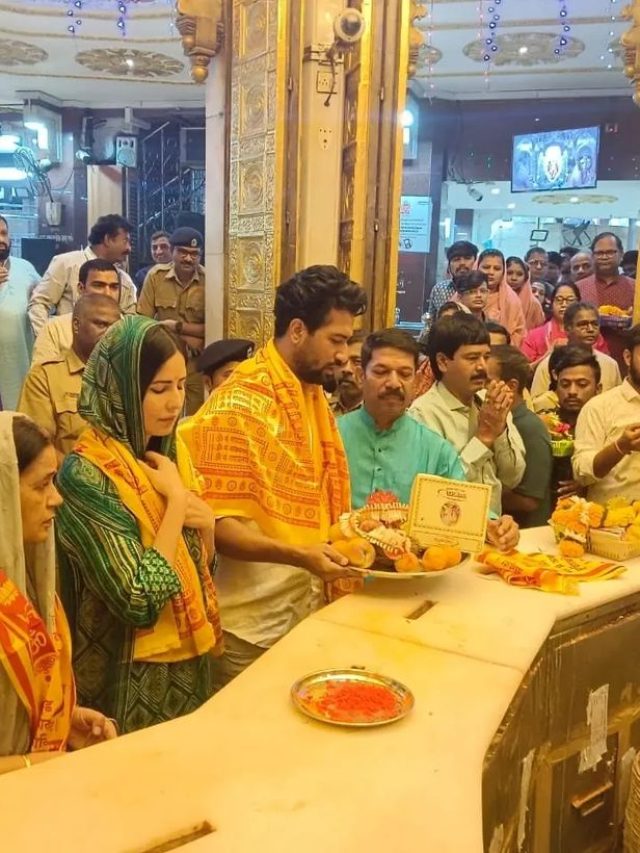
(386, 449)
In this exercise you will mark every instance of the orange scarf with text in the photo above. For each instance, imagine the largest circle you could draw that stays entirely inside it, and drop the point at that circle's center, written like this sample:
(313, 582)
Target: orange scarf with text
(38, 664)
(269, 450)
(189, 624)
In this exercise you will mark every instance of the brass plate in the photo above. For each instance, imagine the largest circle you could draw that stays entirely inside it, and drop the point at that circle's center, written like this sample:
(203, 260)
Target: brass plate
(308, 691)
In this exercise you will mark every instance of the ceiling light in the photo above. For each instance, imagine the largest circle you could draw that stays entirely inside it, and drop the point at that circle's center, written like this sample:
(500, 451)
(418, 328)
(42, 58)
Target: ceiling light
(574, 199)
(8, 143)
(522, 50)
(129, 62)
(406, 118)
(9, 173)
(495, 190)
(511, 206)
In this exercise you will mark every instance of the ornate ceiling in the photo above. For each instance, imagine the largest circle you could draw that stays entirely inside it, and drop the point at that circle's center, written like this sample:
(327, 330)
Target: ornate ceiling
(96, 65)
(531, 53)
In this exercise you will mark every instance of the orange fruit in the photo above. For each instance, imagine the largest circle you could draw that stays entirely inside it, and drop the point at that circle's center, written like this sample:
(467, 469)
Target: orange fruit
(358, 552)
(408, 563)
(335, 532)
(454, 555)
(434, 559)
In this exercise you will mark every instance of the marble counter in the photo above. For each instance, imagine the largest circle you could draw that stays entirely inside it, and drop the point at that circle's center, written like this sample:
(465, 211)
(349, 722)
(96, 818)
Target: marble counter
(268, 779)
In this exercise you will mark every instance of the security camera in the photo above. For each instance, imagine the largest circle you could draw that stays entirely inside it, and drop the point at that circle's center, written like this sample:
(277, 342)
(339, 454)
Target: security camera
(475, 194)
(84, 156)
(348, 27)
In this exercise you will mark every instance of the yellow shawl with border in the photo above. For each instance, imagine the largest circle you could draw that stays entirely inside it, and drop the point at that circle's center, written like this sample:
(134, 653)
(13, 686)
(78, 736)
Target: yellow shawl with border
(268, 449)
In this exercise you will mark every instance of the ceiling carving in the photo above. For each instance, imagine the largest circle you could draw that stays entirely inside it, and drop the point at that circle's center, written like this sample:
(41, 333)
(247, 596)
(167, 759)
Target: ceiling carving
(525, 64)
(429, 55)
(128, 62)
(49, 62)
(98, 64)
(586, 198)
(14, 52)
(525, 49)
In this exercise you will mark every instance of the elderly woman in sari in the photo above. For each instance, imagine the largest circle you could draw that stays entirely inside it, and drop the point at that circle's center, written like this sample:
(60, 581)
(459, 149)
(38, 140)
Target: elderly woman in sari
(135, 542)
(39, 718)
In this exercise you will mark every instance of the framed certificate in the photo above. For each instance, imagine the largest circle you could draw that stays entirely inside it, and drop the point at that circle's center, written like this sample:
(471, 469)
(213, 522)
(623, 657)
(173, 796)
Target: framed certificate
(449, 512)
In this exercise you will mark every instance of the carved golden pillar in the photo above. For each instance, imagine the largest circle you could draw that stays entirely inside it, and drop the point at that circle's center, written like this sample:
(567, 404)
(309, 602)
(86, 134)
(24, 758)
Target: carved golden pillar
(260, 86)
(277, 158)
(375, 95)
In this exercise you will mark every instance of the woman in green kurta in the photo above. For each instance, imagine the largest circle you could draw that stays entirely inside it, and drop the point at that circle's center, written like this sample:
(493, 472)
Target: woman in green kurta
(134, 541)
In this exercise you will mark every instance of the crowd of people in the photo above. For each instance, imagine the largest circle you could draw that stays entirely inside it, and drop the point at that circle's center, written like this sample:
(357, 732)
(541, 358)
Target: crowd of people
(179, 497)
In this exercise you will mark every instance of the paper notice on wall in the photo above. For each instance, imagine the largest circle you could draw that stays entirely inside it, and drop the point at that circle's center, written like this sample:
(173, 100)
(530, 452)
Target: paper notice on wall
(597, 713)
(415, 223)
(525, 784)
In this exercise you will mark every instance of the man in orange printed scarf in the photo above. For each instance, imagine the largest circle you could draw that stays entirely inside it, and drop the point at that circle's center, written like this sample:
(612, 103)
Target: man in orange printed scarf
(274, 468)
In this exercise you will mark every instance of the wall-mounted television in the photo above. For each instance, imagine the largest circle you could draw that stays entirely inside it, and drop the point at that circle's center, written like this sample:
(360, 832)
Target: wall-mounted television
(555, 160)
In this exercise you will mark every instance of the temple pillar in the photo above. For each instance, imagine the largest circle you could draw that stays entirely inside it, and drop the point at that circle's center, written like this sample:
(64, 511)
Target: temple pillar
(310, 158)
(375, 96)
(215, 209)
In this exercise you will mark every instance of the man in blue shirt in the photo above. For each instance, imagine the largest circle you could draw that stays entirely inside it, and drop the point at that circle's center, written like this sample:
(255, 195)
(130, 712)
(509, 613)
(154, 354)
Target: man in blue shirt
(462, 258)
(386, 449)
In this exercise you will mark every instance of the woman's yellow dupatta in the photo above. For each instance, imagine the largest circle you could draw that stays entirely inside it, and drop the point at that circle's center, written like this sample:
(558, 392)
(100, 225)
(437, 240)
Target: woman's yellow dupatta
(189, 624)
(38, 664)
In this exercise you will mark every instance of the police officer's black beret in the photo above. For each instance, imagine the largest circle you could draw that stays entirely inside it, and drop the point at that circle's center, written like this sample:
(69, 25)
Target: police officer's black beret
(220, 352)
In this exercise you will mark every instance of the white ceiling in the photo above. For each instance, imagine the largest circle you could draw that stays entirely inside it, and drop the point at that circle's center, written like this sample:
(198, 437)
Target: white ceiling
(49, 59)
(580, 70)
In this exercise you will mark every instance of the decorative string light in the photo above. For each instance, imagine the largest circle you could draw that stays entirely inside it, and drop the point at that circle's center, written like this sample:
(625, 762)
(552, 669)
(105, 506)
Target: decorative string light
(563, 38)
(490, 41)
(430, 46)
(481, 35)
(75, 13)
(609, 50)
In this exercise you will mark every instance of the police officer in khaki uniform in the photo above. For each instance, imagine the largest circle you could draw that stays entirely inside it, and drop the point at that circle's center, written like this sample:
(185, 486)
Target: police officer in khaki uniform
(51, 390)
(173, 294)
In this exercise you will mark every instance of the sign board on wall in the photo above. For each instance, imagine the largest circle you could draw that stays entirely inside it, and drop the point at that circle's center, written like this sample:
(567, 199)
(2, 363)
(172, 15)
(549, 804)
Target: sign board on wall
(415, 223)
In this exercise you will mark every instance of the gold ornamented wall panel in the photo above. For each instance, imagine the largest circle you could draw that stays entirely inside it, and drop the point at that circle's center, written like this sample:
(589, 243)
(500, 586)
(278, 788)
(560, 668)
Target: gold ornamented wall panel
(256, 156)
(375, 93)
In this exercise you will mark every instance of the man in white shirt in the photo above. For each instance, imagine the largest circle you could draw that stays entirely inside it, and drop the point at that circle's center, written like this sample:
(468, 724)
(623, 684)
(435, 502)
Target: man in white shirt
(109, 239)
(477, 422)
(606, 457)
(95, 276)
(582, 326)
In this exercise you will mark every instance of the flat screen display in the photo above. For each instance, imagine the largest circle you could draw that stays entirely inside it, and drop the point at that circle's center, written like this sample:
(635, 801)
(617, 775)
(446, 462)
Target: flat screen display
(555, 160)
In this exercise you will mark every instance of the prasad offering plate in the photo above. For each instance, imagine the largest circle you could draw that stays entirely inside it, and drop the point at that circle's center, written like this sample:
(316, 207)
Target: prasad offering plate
(392, 575)
(351, 697)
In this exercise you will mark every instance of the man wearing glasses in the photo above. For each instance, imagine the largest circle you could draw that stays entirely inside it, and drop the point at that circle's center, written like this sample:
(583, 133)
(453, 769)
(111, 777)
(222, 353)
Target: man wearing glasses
(608, 287)
(582, 327)
(173, 294)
